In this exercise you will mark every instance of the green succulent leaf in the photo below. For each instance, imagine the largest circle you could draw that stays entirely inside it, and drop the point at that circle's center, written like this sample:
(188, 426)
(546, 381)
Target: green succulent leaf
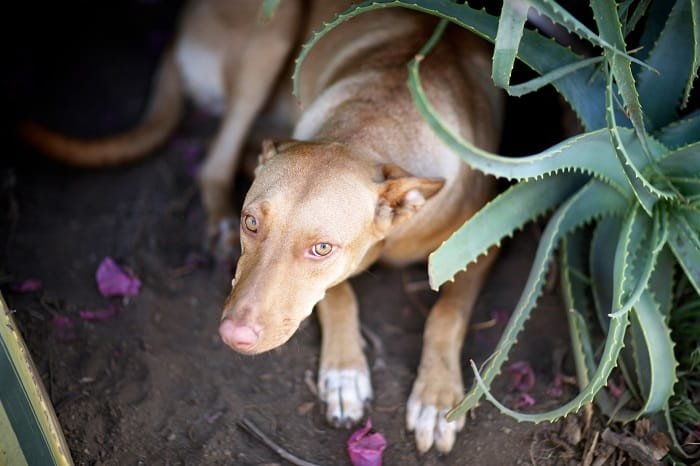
(662, 281)
(685, 244)
(500, 218)
(645, 192)
(608, 22)
(653, 347)
(510, 30)
(598, 380)
(601, 263)
(681, 132)
(574, 286)
(676, 64)
(592, 201)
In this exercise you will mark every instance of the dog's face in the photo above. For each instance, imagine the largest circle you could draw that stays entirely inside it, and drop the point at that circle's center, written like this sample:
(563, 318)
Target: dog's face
(310, 218)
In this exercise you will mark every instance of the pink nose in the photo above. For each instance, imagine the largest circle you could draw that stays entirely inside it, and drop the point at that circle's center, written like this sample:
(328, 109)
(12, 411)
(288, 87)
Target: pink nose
(242, 337)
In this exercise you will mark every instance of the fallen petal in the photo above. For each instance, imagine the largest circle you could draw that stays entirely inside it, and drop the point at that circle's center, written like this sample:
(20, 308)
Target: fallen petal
(365, 448)
(112, 280)
(556, 390)
(522, 377)
(63, 328)
(98, 315)
(616, 389)
(524, 400)
(30, 285)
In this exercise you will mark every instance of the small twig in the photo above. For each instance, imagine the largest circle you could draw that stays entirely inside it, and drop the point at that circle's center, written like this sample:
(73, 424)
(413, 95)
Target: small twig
(487, 324)
(247, 425)
(588, 455)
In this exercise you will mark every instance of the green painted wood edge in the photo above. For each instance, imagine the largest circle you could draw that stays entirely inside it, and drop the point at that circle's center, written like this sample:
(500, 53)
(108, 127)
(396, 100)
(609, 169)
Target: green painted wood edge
(26, 406)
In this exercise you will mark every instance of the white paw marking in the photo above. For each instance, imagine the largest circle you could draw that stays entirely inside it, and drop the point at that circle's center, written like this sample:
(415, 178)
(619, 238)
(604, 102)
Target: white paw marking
(345, 393)
(430, 425)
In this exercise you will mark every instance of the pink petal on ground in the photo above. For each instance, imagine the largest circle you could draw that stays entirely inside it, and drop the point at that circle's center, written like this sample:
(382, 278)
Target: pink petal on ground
(365, 448)
(112, 280)
(62, 327)
(98, 315)
(556, 390)
(522, 377)
(30, 285)
(616, 389)
(524, 400)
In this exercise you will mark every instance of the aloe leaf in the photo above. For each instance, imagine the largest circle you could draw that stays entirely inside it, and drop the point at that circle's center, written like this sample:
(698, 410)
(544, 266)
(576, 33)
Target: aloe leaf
(662, 280)
(681, 132)
(519, 90)
(538, 52)
(556, 13)
(610, 29)
(654, 353)
(646, 260)
(590, 152)
(631, 23)
(632, 227)
(613, 345)
(653, 25)
(663, 419)
(674, 60)
(594, 200)
(645, 192)
(576, 300)
(601, 263)
(685, 244)
(510, 31)
(695, 14)
(684, 161)
(498, 219)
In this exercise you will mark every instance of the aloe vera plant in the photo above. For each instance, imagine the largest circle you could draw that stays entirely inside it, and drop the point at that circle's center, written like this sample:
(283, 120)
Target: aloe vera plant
(632, 178)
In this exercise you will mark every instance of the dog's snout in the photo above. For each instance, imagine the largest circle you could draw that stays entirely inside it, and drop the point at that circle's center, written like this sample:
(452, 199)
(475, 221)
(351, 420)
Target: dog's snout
(240, 337)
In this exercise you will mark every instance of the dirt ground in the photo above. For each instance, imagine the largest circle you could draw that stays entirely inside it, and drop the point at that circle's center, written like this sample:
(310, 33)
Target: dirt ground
(155, 385)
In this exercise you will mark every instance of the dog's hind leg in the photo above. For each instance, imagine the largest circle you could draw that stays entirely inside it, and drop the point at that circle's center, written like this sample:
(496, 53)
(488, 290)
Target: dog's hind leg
(343, 379)
(439, 386)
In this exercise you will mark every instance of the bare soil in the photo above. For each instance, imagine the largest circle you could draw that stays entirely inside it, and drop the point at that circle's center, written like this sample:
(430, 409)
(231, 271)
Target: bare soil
(155, 385)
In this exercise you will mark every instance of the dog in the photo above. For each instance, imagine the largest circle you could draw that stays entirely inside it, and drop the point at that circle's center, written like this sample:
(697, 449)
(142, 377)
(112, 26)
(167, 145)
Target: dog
(362, 179)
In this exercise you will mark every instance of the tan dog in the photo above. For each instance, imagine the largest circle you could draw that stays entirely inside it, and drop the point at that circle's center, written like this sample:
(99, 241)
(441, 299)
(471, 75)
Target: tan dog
(364, 179)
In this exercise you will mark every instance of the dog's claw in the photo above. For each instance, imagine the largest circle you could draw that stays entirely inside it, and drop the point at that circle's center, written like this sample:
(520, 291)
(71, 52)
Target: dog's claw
(429, 421)
(345, 393)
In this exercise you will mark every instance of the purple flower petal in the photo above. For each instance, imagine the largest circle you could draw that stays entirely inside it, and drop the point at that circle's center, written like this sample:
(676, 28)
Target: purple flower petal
(112, 280)
(616, 389)
(30, 285)
(62, 327)
(98, 315)
(365, 448)
(524, 400)
(556, 390)
(522, 377)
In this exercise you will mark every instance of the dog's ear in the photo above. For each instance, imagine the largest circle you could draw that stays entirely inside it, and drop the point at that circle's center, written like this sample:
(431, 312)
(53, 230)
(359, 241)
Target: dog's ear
(271, 149)
(402, 194)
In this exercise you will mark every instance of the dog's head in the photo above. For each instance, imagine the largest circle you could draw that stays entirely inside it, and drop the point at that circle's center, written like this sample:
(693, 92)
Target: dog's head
(315, 214)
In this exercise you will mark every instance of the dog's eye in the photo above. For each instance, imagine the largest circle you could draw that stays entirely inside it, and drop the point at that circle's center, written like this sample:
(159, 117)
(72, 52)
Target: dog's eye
(250, 223)
(321, 249)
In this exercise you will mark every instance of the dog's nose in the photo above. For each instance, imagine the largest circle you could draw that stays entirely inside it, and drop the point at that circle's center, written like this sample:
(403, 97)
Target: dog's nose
(240, 337)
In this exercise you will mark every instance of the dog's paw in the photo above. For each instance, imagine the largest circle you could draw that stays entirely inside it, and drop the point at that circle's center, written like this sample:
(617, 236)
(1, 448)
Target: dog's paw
(345, 393)
(426, 410)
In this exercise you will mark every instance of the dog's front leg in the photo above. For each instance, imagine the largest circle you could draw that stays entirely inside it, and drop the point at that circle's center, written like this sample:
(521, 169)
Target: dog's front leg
(439, 386)
(343, 379)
